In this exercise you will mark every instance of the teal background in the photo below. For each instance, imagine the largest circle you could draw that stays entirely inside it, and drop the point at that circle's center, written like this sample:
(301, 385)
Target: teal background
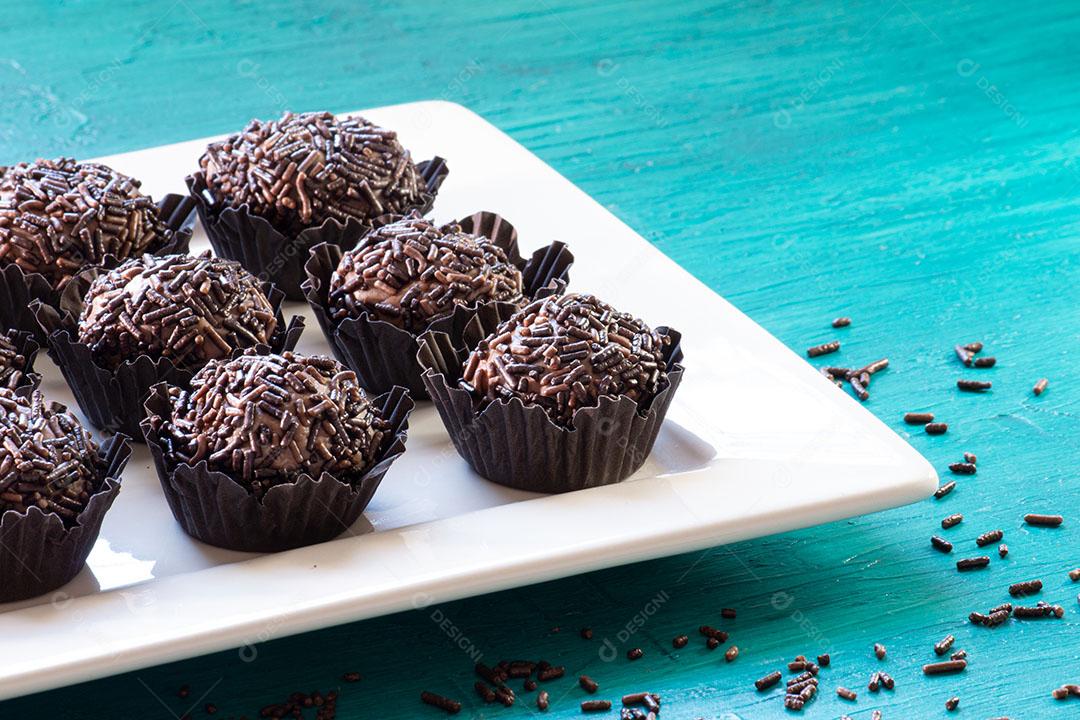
(908, 163)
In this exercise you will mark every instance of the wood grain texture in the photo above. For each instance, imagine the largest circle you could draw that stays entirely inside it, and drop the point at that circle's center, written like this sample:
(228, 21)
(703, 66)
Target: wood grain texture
(908, 163)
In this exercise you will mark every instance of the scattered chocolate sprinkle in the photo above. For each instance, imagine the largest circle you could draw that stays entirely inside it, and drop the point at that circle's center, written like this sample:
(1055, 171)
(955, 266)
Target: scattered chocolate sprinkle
(588, 684)
(1040, 387)
(974, 385)
(184, 691)
(266, 419)
(824, 660)
(595, 706)
(486, 694)
(635, 654)
(1003, 550)
(963, 354)
(766, 682)
(301, 170)
(529, 685)
(447, 705)
(1040, 610)
(727, 613)
(712, 643)
(711, 632)
(958, 655)
(680, 641)
(634, 698)
(550, 673)
(952, 521)
(936, 428)
(1074, 574)
(985, 362)
(952, 703)
(731, 653)
(886, 681)
(875, 682)
(988, 538)
(60, 216)
(972, 563)
(351, 677)
(1027, 587)
(975, 347)
(841, 322)
(940, 543)
(846, 694)
(1043, 520)
(963, 468)
(542, 700)
(879, 651)
(944, 668)
(942, 646)
(1059, 693)
(918, 418)
(586, 633)
(824, 349)
(970, 457)
(945, 489)
(210, 708)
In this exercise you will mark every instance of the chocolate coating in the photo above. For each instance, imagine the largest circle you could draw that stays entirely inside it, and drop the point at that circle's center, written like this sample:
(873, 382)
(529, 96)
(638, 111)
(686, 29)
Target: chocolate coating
(59, 216)
(564, 353)
(265, 419)
(411, 271)
(12, 363)
(302, 169)
(47, 458)
(188, 309)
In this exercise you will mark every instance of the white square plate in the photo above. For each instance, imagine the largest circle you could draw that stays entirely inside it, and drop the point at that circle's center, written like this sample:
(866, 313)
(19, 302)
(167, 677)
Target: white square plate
(756, 442)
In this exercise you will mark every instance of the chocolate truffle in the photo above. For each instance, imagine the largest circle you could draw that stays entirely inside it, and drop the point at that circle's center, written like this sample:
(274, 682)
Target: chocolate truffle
(12, 363)
(265, 419)
(411, 271)
(302, 169)
(47, 458)
(59, 216)
(188, 309)
(564, 353)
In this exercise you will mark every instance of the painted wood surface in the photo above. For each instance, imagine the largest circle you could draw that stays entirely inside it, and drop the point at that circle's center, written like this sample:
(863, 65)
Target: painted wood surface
(907, 163)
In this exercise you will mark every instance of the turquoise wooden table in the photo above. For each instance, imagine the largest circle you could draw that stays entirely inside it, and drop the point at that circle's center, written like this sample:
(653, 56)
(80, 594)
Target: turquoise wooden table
(908, 163)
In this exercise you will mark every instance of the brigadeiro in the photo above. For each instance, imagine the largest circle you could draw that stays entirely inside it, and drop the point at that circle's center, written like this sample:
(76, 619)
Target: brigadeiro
(269, 193)
(412, 275)
(157, 319)
(58, 217)
(564, 394)
(270, 452)
(56, 484)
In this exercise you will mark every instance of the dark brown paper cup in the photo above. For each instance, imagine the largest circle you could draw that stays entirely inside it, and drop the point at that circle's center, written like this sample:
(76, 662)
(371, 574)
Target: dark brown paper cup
(38, 553)
(273, 256)
(26, 345)
(383, 355)
(212, 507)
(18, 289)
(519, 446)
(113, 399)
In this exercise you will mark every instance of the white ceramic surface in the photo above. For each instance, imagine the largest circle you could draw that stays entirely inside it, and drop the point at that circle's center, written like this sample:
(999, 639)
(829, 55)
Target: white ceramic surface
(756, 442)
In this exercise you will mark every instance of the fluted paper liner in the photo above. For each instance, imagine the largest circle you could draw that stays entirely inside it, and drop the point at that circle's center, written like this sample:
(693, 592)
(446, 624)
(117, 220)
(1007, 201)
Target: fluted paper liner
(518, 445)
(212, 507)
(19, 289)
(269, 254)
(383, 355)
(26, 345)
(113, 399)
(39, 553)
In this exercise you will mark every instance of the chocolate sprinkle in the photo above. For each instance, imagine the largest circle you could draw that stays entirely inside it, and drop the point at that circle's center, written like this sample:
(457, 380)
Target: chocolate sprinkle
(59, 216)
(936, 428)
(411, 271)
(47, 458)
(188, 309)
(301, 170)
(564, 353)
(12, 362)
(265, 419)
